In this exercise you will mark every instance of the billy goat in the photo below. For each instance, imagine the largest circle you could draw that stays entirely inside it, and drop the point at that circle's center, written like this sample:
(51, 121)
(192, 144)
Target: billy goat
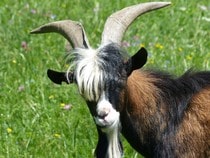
(160, 116)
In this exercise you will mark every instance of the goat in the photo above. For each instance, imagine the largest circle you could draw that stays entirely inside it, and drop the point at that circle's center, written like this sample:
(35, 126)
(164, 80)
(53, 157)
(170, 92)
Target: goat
(159, 115)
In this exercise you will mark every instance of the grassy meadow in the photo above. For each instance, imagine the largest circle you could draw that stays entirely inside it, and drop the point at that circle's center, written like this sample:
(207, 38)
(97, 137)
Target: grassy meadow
(39, 119)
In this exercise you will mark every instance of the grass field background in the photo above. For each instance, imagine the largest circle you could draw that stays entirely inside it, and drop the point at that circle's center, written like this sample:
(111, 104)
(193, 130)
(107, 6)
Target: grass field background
(39, 119)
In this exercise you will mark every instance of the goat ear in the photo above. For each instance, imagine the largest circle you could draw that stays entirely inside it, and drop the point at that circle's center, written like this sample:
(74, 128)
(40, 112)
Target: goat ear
(136, 61)
(59, 77)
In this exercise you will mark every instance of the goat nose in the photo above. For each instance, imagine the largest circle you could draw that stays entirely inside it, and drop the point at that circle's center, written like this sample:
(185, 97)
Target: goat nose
(102, 115)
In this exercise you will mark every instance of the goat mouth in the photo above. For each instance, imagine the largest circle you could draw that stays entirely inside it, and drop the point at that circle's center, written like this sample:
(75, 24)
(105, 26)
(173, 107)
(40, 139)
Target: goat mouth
(106, 126)
(109, 121)
(103, 123)
(103, 126)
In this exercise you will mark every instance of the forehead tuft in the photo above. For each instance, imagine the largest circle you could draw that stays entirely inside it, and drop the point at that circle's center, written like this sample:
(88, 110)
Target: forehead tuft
(95, 67)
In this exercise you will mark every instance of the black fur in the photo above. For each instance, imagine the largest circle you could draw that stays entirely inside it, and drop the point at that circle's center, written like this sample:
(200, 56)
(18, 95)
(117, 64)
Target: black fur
(102, 146)
(177, 92)
(59, 77)
(117, 67)
(137, 61)
(112, 64)
(175, 96)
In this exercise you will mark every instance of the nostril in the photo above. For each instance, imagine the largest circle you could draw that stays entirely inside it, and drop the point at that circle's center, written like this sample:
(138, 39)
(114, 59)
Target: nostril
(102, 115)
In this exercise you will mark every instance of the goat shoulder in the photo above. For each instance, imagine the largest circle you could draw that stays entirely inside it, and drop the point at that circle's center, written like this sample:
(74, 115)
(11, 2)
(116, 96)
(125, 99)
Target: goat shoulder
(163, 116)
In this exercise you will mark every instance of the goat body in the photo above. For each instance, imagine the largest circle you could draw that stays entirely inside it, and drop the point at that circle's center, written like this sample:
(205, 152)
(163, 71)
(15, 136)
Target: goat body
(159, 115)
(166, 117)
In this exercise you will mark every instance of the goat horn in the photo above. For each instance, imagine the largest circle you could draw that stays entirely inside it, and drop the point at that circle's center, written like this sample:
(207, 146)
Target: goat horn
(73, 31)
(118, 22)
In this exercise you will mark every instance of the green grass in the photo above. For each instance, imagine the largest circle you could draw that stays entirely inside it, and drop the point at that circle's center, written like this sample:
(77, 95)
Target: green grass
(33, 122)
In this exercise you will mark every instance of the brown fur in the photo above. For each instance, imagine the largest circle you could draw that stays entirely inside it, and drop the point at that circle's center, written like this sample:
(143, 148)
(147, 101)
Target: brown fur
(190, 139)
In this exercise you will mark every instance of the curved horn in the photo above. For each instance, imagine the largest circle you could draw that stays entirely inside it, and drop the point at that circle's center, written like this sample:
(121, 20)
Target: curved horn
(73, 31)
(118, 22)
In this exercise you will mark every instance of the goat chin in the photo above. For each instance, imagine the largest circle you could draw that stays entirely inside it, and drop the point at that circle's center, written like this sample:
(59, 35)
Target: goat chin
(114, 147)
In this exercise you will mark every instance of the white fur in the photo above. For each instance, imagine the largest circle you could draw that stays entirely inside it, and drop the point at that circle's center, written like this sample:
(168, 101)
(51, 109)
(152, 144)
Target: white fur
(90, 81)
(88, 74)
(105, 107)
(114, 149)
(111, 124)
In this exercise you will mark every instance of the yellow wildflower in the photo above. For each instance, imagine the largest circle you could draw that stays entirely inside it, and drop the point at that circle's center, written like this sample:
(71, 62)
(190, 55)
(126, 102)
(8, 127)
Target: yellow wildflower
(51, 97)
(158, 45)
(180, 49)
(189, 57)
(56, 135)
(142, 45)
(62, 104)
(9, 130)
(14, 61)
